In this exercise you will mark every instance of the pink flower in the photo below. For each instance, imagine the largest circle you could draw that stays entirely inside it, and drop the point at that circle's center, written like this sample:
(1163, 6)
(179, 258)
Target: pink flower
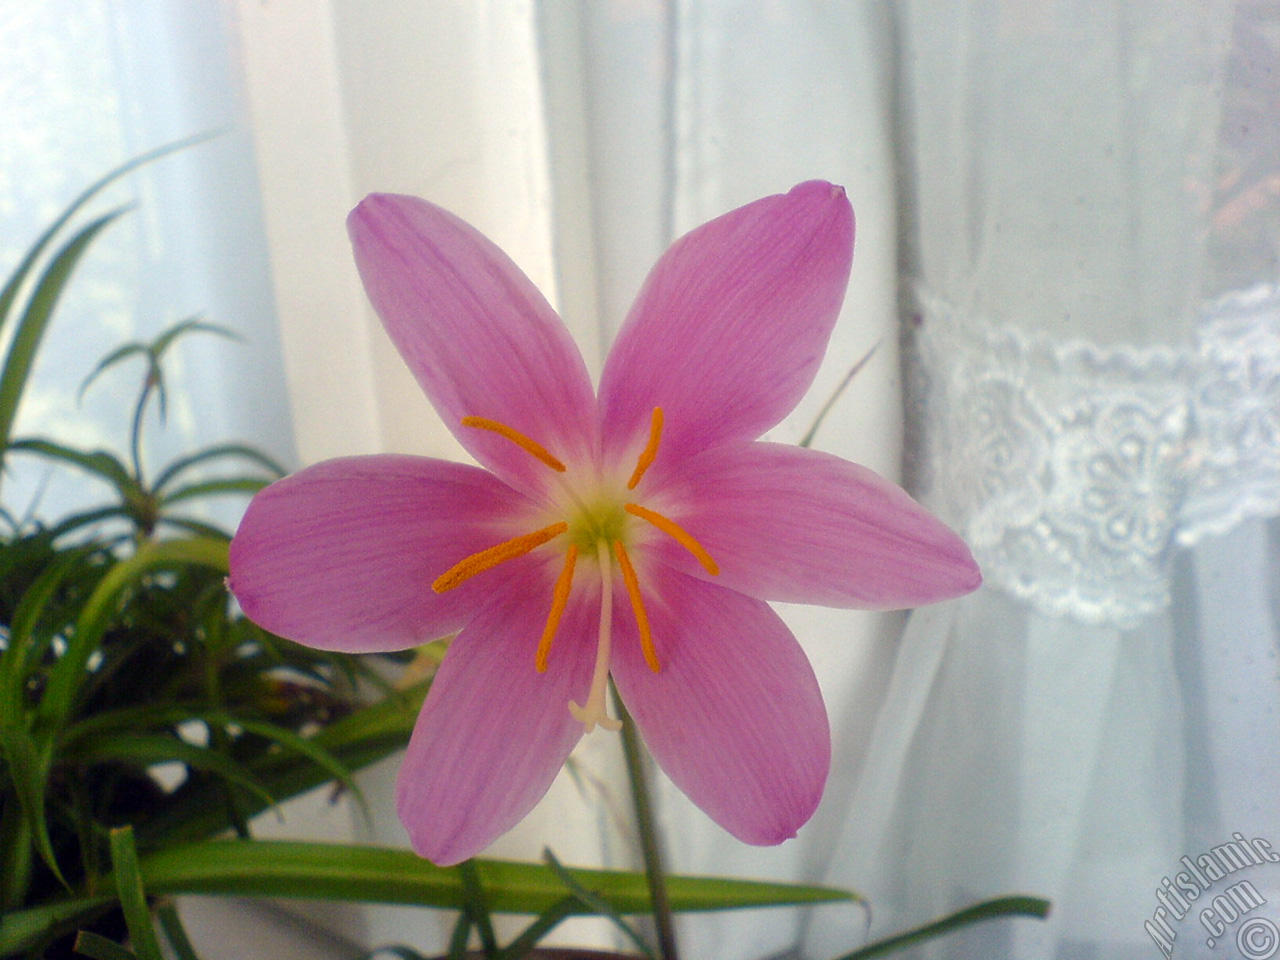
(637, 532)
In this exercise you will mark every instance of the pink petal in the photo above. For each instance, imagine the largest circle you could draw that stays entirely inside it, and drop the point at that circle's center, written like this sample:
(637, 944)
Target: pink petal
(342, 555)
(494, 732)
(735, 717)
(731, 324)
(477, 334)
(786, 523)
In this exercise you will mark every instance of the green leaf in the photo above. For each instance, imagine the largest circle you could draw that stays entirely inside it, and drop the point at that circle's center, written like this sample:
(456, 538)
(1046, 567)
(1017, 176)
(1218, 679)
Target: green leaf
(978, 913)
(320, 871)
(253, 868)
(110, 360)
(15, 857)
(133, 897)
(596, 903)
(28, 759)
(193, 325)
(404, 953)
(67, 675)
(153, 352)
(476, 907)
(16, 660)
(98, 947)
(146, 750)
(175, 933)
(35, 318)
(543, 925)
(355, 741)
(9, 294)
(76, 521)
(219, 452)
(79, 738)
(207, 488)
(29, 772)
(22, 930)
(99, 462)
(195, 527)
(460, 937)
(812, 432)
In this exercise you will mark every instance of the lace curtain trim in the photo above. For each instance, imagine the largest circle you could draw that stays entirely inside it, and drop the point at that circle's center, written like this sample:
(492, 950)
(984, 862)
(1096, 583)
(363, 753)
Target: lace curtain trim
(1074, 470)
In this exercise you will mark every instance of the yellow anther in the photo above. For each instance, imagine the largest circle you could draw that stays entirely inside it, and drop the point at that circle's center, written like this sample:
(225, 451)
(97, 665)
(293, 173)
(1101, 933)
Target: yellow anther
(516, 437)
(676, 533)
(559, 598)
(637, 606)
(650, 450)
(491, 557)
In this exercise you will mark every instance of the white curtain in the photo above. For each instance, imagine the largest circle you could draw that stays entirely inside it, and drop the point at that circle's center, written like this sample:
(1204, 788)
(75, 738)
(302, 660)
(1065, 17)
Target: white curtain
(1094, 321)
(85, 86)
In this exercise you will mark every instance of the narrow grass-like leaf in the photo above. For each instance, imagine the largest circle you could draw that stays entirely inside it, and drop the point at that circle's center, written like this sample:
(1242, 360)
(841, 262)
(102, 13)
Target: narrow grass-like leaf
(133, 896)
(97, 947)
(543, 925)
(16, 659)
(27, 761)
(146, 750)
(9, 294)
(289, 740)
(99, 462)
(28, 765)
(355, 740)
(372, 874)
(67, 675)
(221, 451)
(128, 721)
(219, 487)
(117, 355)
(23, 930)
(198, 528)
(404, 953)
(812, 432)
(15, 857)
(460, 936)
(153, 353)
(476, 906)
(320, 871)
(35, 318)
(78, 521)
(978, 913)
(191, 325)
(598, 904)
(175, 932)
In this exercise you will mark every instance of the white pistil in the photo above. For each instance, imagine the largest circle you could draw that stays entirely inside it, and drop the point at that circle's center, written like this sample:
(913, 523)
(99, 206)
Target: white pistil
(594, 712)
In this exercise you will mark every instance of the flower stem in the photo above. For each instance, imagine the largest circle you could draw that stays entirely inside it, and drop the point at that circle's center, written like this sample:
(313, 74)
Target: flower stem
(633, 750)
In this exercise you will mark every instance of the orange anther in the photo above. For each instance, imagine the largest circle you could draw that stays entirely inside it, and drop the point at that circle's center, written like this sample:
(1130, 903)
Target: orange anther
(559, 598)
(489, 558)
(519, 439)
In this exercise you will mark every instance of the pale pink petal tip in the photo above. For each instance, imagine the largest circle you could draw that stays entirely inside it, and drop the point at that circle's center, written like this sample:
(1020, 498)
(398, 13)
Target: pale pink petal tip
(341, 555)
(732, 322)
(802, 526)
(494, 733)
(735, 716)
(475, 331)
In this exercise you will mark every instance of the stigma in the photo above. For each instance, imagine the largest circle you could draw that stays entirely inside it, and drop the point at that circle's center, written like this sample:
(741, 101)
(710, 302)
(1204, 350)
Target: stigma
(598, 525)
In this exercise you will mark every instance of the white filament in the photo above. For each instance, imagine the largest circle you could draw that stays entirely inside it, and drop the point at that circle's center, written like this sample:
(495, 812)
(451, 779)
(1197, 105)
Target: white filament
(594, 712)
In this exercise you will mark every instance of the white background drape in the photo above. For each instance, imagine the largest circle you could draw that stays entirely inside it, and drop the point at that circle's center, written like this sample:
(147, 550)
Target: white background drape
(1068, 207)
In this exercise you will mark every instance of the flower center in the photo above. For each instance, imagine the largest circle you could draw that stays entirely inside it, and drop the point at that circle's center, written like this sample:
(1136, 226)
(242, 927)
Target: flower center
(599, 528)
